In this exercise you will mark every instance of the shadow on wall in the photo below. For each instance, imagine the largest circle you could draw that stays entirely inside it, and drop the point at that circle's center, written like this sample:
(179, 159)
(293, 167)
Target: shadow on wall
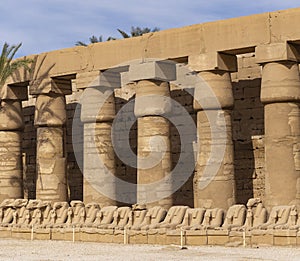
(74, 174)
(247, 122)
(29, 153)
(185, 194)
(124, 171)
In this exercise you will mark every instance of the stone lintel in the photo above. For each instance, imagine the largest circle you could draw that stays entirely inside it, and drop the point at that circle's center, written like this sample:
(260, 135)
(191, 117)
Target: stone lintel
(110, 79)
(15, 92)
(213, 61)
(186, 79)
(83, 79)
(125, 79)
(155, 70)
(276, 52)
(59, 85)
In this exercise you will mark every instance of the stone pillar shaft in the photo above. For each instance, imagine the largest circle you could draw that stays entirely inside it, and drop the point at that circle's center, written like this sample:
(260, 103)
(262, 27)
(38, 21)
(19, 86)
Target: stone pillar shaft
(214, 183)
(11, 124)
(100, 144)
(50, 118)
(280, 95)
(223, 179)
(98, 112)
(151, 126)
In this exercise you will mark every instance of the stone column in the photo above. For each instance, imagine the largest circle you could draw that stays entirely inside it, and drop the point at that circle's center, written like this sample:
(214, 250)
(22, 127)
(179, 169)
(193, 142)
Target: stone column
(11, 125)
(280, 94)
(154, 156)
(97, 115)
(214, 183)
(50, 119)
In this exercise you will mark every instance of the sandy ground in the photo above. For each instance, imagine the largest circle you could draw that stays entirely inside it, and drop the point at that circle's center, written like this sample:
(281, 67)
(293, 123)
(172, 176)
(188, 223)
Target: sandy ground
(62, 250)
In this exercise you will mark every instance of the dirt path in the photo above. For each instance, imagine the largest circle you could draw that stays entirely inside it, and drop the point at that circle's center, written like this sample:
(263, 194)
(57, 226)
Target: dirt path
(62, 250)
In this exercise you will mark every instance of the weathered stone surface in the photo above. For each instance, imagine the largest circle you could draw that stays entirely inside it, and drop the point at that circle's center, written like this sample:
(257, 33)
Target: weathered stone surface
(11, 185)
(280, 82)
(51, 164)
(44, 85)
(213, 61)
(157, 70)
(152, 98)
(215, 160)
(158, 164)
(98, 105)
(99, 164)
(214, 91)
(14, 92)
(276, 52)
(261, 136)
(281, 139)
(11, 115)
(50, 110)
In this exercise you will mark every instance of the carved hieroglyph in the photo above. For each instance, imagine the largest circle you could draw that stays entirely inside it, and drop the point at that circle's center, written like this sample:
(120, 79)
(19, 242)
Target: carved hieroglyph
(50, 118)
(11, 124)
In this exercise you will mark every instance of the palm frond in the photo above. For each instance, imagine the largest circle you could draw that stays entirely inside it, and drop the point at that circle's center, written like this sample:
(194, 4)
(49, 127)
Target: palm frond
(124, 35)
(7, 65)
(110, 38)
(79, 43)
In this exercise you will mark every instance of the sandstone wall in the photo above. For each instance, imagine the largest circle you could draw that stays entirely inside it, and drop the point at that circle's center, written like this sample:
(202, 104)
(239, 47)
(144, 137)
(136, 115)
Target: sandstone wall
(248, 129)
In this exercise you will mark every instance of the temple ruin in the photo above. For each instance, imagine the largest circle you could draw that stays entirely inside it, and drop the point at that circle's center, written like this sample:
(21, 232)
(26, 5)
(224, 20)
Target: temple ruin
(188, 135)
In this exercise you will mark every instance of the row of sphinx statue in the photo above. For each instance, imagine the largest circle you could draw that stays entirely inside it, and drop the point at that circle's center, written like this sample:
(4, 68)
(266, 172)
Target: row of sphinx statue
(39, 214)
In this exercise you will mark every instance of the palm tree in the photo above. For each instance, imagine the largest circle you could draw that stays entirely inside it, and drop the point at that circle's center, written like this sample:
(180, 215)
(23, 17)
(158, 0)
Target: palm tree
(94, 39)
(7, 65)
(135, 31)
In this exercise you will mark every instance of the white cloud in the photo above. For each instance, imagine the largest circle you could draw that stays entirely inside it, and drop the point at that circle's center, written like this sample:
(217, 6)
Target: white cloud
(47, 25)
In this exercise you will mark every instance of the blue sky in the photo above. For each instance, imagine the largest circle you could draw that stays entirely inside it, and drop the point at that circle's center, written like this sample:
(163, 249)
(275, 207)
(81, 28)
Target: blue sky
(48, 25)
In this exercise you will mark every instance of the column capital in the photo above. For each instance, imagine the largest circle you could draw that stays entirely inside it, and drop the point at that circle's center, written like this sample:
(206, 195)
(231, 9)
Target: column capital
(97, 105)
(213, 61)
(164, 71)
(276, 52)
(50, 110)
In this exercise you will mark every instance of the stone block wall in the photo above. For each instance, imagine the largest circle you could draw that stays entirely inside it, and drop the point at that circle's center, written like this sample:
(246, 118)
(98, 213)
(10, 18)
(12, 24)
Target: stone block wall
(248, 129)
(29, 151)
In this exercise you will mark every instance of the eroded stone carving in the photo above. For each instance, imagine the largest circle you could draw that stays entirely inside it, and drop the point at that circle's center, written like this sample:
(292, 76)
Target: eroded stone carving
(104, 217)
(76, 213)
(58, 214)
(193, 217)
(173, 218)
(121, 217)
(47, 207)
(6, 211)
(278, 217)
(292, 220)
(35, 212)
(256, 214)
(91, 210)
(235, 217)
(154, 216)
(21, 215)
(213, 218)
(136, 217)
